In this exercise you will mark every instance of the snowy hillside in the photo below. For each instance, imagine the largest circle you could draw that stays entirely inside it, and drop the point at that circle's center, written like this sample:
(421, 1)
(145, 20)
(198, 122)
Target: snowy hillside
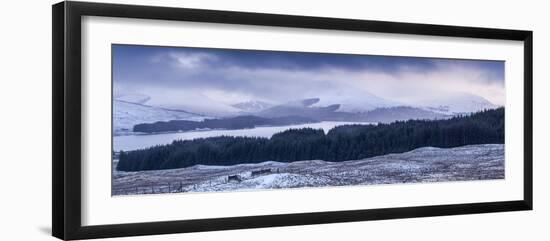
(457, 103)
(127, 114)
(427, 164)
(194, 102)
(355, 101)
(252, 106)
(134, 98)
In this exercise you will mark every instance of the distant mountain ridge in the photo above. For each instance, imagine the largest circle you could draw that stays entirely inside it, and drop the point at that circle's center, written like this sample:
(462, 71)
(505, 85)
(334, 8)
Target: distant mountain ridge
(329, 113)
(457, 103)
(402, 113)
(309, 108)
(356, 101)
(132, 110)
(252, 106)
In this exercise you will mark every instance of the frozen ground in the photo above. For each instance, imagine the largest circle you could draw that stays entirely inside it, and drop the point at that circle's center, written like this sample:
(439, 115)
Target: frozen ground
(427, 164)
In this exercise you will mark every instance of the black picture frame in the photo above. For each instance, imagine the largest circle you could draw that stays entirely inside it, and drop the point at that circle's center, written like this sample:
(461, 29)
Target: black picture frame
(66, 158)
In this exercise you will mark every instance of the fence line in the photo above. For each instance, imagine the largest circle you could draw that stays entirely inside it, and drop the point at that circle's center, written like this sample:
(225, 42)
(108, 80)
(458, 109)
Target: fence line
(170, 187)
(179, 186)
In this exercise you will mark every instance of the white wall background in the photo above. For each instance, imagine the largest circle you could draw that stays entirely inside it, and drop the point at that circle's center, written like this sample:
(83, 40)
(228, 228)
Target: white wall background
(25, 104)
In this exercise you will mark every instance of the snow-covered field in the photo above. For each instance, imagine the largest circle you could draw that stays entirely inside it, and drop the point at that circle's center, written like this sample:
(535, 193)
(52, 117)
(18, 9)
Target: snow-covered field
(427, 164)
(134, 142)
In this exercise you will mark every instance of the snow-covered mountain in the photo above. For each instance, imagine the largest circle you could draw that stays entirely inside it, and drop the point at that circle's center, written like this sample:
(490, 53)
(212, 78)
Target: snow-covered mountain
(356, 101)
(448, 103)
(194, 102)
(132, 109)
(134, 98)
(310, 108)
(402, 113)
(303, 107)
(252, 106)
(456, 103)
(127, 114)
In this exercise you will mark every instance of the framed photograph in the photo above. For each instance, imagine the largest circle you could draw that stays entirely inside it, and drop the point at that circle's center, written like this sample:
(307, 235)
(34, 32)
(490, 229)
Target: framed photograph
(170, 120)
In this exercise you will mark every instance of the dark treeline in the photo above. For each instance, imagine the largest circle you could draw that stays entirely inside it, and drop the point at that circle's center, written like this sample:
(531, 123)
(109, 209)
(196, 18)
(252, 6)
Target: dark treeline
(233, 123)
(342, 143)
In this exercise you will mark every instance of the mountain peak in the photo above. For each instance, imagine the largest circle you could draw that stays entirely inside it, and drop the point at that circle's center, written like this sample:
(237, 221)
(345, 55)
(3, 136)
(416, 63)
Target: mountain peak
(252, 106)
(457, 103)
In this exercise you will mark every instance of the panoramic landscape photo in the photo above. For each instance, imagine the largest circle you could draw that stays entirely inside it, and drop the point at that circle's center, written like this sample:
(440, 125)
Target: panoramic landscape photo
(209, 120)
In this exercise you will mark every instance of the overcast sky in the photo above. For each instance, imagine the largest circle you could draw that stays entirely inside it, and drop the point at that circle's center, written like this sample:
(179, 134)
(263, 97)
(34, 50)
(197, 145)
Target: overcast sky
(232, 76)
